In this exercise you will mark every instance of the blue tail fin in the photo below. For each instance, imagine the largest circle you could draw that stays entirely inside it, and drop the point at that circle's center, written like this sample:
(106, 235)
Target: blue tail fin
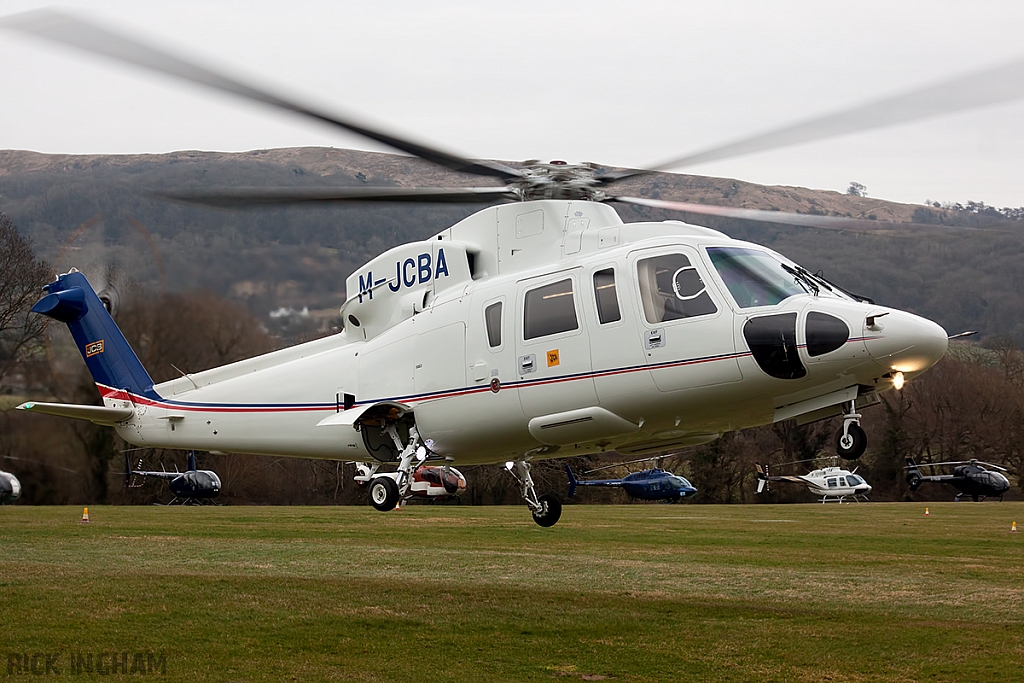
(111, 361)
(572, 481)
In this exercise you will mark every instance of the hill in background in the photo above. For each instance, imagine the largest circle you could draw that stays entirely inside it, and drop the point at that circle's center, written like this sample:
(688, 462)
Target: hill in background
(94, 212)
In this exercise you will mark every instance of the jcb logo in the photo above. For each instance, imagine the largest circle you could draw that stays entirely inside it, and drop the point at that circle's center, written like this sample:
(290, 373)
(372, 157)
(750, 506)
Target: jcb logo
(93, 348)
(553, 358)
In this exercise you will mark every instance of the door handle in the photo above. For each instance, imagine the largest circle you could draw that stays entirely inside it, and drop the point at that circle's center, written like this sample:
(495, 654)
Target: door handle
(654, 339)
(527, 364)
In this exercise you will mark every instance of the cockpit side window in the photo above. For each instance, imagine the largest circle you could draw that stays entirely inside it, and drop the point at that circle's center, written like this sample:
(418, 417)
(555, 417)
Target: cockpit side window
(606, 297)
(753, 277)
(671, 288)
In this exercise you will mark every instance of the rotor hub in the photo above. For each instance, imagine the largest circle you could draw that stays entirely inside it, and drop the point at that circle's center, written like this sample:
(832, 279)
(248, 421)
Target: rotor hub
(559, 180)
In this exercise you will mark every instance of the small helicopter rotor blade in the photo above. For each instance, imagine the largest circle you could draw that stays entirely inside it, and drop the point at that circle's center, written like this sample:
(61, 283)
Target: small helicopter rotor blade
(994, 85)
(256, 196)
(782, 217)
(629, 462)
(988, 464)
(56, 467)
(938, 464)
(69, 30)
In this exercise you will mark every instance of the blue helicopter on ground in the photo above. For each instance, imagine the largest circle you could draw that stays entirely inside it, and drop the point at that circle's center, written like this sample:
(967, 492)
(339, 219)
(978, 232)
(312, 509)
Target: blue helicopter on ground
(652, 484)
(191, 487)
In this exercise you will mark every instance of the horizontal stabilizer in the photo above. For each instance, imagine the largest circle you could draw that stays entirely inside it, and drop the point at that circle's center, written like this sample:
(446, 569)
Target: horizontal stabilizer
(98, 414)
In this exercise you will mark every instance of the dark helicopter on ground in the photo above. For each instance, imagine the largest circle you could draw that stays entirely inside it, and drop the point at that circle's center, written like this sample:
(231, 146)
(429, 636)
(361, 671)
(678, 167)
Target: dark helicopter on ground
(969, 476)
(652, 484)
(191, 487)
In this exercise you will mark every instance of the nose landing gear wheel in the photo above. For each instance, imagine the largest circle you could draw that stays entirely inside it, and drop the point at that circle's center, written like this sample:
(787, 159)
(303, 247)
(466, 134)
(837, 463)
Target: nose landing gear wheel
(383, 494)
(551, 510)
(852, 442)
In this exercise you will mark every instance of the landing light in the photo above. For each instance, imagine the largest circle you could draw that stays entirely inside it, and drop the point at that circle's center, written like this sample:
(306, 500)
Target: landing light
(898, 380)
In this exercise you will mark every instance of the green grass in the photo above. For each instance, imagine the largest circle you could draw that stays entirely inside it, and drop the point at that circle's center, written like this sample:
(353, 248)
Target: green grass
(873, 592)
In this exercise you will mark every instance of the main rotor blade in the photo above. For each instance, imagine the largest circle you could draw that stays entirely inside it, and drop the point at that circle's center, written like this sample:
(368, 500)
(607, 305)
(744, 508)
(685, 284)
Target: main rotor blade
(240, 197)
(783, 217)
(994, 85)
(69, 30)
(961, 462)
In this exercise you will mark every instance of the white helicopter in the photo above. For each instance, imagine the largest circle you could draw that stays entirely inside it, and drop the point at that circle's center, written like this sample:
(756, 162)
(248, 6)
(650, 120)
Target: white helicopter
(537, 329)
(10, 488)
(831, 483)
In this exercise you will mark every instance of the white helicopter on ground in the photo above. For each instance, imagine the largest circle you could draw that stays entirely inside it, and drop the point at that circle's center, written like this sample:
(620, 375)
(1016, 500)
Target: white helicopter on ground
(10, 488)
(831, 483)
(537, 329)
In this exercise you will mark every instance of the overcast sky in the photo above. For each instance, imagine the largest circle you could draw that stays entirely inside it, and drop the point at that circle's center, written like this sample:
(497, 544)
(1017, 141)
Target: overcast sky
(626, 82)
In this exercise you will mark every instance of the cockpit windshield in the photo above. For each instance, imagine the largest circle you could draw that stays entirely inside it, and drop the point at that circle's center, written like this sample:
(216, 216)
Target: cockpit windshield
(754, 277)
(854, 480)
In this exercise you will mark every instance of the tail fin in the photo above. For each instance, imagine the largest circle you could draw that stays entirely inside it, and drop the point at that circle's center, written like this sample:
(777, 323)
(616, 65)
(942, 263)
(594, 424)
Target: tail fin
(572, 481)
(111, 361)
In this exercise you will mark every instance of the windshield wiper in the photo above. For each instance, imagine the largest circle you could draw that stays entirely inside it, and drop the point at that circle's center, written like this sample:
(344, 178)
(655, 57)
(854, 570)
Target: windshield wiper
(803, 278)
(831, 285)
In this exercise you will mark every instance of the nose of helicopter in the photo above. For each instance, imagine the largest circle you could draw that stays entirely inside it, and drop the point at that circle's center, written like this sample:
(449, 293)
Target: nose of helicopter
(904, 342)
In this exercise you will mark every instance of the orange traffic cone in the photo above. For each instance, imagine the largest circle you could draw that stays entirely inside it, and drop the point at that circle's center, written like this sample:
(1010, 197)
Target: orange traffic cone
(1013, 529)
(85, 516)
(926, 514)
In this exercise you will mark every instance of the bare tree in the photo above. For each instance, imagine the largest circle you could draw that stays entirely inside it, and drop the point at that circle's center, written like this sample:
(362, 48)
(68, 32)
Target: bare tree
(21, 279)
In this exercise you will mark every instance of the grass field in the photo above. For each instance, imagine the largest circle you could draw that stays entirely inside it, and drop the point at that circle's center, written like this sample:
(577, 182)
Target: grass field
(874, 592)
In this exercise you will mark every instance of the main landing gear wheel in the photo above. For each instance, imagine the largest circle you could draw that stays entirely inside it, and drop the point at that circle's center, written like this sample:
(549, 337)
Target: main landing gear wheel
(852, 443)
(383, 494)
(551, 510)
(546, 509)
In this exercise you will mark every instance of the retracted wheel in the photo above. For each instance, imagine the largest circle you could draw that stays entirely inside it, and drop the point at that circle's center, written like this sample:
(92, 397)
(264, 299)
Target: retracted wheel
(383, 493)
(550, 510)
(852, 442)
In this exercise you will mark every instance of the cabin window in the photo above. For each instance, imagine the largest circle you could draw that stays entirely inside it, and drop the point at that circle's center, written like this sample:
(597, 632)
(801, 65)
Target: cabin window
(672, 289)
(831, 483)
(606, 297)
(492, 316)
(842, 481)
(753, 277)
(549, 310)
